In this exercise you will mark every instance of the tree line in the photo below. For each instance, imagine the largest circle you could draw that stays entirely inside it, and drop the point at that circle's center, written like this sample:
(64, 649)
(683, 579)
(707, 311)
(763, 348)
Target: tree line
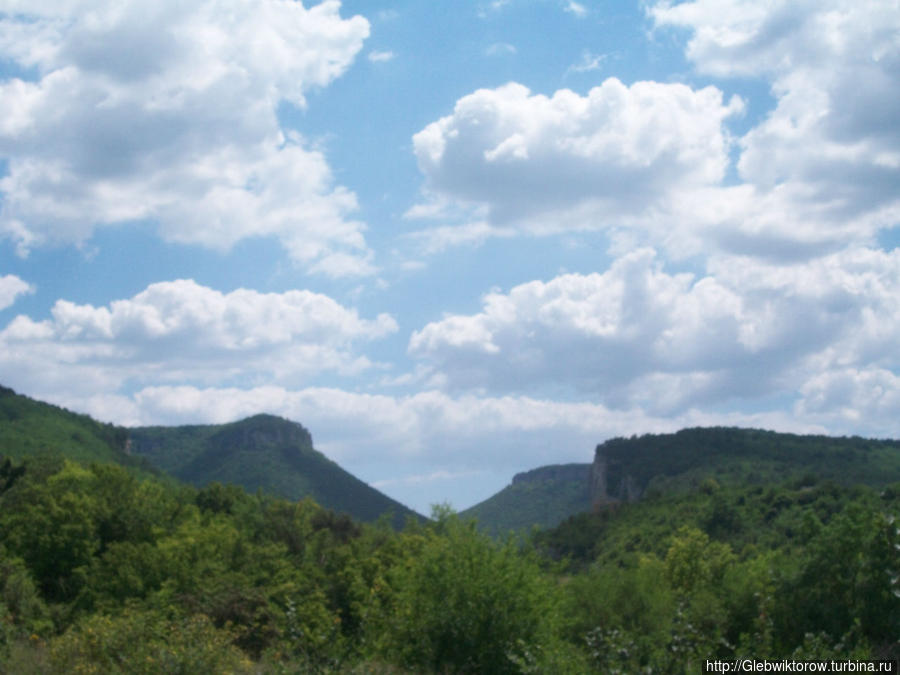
(106, 571)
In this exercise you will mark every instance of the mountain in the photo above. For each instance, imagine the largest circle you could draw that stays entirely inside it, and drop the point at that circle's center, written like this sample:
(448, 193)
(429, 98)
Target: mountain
(263, 452)
(545, 497)
(626, 469)
(29, 428)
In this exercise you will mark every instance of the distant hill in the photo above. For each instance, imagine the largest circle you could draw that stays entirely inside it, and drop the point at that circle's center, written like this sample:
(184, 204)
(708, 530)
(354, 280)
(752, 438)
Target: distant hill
(545, 497)
(262, 452)
(625, 469)
(29, 428)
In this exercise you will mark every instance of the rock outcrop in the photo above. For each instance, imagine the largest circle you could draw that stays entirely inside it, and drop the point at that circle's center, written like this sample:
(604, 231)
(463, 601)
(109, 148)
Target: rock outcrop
(609, 482)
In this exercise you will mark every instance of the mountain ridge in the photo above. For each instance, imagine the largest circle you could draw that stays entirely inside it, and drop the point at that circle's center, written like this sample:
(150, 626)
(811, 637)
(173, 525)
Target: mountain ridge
(626, 469)
(262, 452)
(265, 452)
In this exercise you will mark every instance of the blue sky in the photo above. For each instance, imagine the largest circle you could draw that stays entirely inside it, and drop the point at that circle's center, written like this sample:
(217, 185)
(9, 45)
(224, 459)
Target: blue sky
(454, 240)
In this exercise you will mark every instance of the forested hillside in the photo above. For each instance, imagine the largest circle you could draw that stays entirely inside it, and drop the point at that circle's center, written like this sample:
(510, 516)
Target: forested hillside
(101, 571)
(29, 427)
(266, 453)
(109, 569)
(259, 453)
(542, 497)
(625, 469)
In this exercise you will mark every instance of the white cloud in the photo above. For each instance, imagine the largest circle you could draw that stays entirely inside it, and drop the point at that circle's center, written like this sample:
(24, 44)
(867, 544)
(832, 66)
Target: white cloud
(167, 111)
(588, 63)
(475, 432)
(379, 56)
(646, 163)
(491, 6)
(437, 239)
(828, 155)
(181, 331)
(576, 8)
(636, 337)
(539, 162)
(867, 398)
(417, 479)
(501, 49)
(11, 287)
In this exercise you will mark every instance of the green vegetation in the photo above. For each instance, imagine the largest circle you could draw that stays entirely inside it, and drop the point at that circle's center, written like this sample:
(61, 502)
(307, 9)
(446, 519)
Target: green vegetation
(266, 453)
(101, 571)
(542, 497)
(681, 461)
(108, 570)
(29, 427)
(259, 453)
(654, 464)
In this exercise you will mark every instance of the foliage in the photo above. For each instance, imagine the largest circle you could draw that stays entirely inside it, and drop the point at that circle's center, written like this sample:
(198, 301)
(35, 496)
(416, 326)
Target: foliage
(465, 603)
(543, 497)
(262, 452)
(666, 463)
(29, 428)
(691, 460)
(104, 569)
(146, 641)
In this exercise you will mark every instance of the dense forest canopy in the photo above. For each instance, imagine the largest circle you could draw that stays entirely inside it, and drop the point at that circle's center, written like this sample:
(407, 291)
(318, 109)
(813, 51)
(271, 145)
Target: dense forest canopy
(101, 571)
(117, 568)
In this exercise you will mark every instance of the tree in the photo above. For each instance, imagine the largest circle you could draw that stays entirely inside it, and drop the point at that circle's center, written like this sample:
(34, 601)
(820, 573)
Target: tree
(464, 603)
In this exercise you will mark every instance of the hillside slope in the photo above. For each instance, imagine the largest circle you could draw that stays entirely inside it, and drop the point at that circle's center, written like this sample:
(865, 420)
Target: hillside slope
(544, 497)
(626, 469)
(29, 427)
(262, 452)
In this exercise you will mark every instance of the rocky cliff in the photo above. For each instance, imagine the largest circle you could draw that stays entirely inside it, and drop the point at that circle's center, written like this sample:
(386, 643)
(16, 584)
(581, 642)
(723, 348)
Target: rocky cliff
(610, 482)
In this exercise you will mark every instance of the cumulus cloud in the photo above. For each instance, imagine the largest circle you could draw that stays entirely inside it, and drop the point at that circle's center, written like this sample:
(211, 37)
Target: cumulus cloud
(436, 239)
(617, 151)
(867, 398)
(647, 163)
(637, 337)
(181, 331)
(829, 153)
(11, 287)
(446, 430)
(166, 111)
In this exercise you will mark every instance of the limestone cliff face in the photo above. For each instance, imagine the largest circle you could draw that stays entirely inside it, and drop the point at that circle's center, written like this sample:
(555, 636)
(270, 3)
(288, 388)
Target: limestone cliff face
(610, 483)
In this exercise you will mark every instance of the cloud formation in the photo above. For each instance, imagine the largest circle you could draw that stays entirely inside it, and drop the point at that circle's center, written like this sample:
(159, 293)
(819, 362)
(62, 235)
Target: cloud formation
(647, 163)
(828, 155)
(130, 111)
(11, 287)
(181, 331)
(637, 337)
(530, 159)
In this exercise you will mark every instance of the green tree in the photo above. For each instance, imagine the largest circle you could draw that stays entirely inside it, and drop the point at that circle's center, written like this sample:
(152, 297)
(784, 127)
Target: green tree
(464, 603)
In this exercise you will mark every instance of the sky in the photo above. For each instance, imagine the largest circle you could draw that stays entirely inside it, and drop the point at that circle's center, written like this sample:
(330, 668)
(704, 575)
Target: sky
(455, 241)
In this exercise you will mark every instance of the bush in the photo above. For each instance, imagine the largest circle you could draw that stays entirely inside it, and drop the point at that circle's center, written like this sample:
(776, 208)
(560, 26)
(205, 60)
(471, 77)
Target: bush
(142, 641)
(464, 603)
